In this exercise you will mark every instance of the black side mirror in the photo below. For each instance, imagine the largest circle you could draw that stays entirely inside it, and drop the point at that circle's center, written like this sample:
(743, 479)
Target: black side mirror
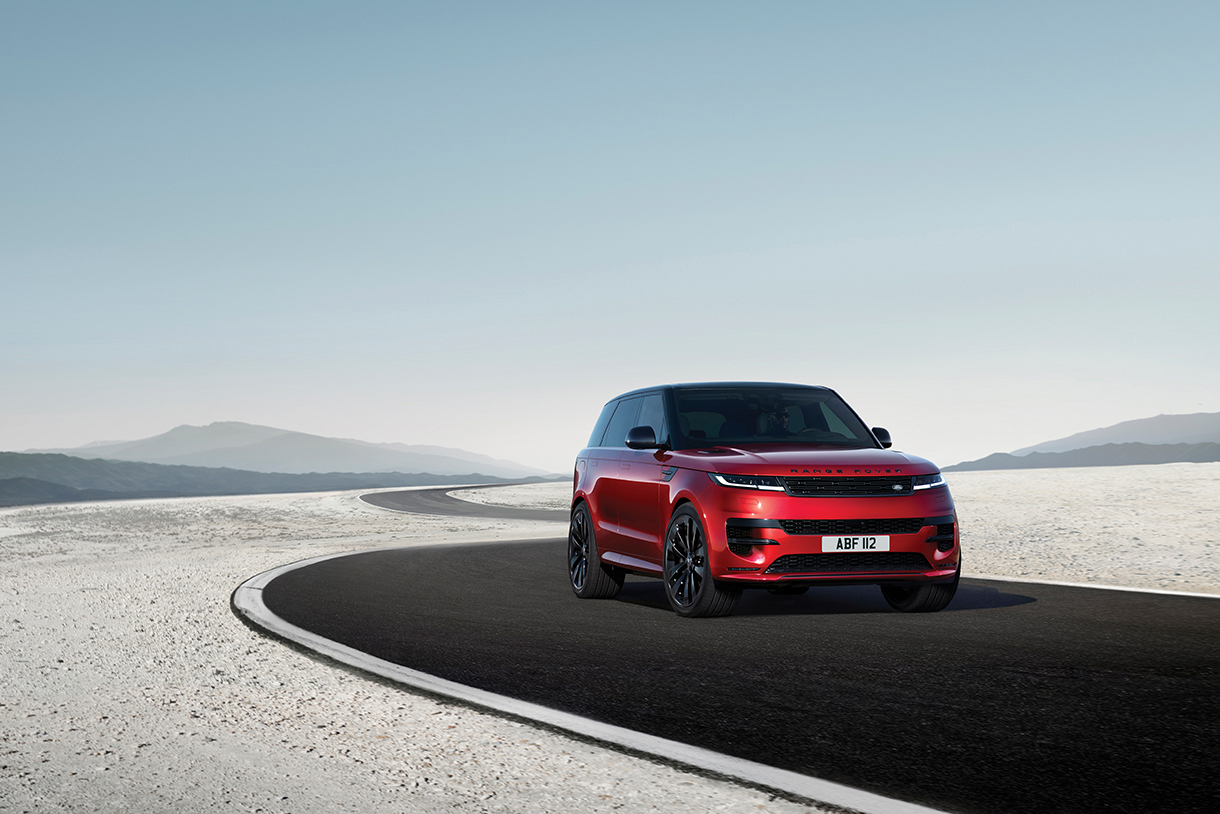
(883, 435)
(641, 438)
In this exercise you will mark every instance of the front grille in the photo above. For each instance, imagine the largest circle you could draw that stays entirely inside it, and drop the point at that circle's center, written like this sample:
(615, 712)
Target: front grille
(871, 561)
(741, 549)
(902, 525)
(943, 529)
(828, 487)
(739, 532)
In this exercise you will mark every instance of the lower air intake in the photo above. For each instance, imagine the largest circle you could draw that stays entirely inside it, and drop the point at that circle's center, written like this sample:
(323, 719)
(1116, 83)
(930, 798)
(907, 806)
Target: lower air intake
(865, 561)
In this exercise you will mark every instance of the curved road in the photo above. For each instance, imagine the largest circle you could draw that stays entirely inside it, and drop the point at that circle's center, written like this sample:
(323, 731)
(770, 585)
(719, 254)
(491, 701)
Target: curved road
(1017, 698)
(437, 501)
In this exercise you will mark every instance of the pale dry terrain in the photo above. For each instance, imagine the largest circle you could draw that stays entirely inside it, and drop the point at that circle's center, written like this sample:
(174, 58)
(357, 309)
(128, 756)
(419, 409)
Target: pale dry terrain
(129, 685)
(1136, 526)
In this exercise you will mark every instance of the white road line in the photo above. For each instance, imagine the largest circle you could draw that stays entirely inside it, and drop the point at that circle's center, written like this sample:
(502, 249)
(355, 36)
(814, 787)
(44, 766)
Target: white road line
(248, 601)
(1161, 591)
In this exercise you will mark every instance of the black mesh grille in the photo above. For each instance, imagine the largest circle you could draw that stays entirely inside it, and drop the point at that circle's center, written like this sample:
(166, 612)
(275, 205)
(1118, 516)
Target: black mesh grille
(902, 525)
(872, 561)
(817, 487)
(739, 533)
(944, 529)
(740, 549)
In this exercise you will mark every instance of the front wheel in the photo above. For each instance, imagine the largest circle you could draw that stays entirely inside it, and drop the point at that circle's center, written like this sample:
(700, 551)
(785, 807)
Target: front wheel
(687, 574)
(922, 598)
(590, 579)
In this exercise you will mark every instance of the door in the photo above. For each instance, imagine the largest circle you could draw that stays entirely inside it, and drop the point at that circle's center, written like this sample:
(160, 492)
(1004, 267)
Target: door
(640, 493)
(605, 494)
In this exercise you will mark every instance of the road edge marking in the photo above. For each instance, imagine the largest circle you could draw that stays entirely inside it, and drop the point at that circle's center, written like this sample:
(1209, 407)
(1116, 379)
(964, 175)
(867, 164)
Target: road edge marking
(1160, 591)
(247, 602)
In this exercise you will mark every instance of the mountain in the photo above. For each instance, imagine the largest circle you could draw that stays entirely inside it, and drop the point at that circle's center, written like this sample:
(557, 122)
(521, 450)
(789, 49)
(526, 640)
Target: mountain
(26, 491)
(1193, 428)
(54, 478)
(255, 448)
(1102, 455)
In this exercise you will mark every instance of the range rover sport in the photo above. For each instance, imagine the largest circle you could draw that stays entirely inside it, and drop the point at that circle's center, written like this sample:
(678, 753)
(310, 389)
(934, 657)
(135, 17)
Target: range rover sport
(716, 488)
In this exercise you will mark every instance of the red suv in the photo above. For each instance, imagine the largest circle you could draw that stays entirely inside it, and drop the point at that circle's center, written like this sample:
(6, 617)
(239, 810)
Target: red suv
(715, 488)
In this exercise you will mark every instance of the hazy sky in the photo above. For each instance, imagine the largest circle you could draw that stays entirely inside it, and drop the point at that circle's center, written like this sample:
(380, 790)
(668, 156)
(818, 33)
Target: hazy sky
(985, 224)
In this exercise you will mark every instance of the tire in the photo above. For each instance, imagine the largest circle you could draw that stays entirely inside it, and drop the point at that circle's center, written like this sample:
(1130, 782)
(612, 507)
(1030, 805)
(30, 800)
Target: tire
(689, 587)
(922, 598)
(588, 576)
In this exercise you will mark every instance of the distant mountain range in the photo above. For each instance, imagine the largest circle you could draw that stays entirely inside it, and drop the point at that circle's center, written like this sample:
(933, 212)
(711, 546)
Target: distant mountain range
(1193, 438)
(54, 478)
(1104, 455)
(1192, 428)
(256, 448)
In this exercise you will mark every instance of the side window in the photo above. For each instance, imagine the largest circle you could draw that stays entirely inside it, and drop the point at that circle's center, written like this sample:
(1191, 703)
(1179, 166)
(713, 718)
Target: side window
(623, 420)
(599, 429)
(652, 414)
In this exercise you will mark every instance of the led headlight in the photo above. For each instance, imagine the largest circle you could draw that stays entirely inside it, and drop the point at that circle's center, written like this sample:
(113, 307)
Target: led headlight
(928, 481)
(748, 481)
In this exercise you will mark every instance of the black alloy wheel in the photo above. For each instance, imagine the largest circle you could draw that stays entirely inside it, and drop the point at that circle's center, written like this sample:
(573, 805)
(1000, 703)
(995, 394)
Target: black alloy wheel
(689, 587)
(590, 579)
(922, 598)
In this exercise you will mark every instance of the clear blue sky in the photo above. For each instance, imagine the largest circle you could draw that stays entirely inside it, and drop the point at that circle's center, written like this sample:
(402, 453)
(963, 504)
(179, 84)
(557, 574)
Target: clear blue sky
(985, 224)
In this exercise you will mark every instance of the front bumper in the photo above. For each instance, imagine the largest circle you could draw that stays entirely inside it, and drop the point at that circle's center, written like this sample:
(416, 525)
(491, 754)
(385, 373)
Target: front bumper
(758, 537)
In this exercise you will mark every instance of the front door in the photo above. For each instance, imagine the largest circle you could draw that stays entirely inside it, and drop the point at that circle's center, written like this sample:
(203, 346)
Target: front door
(640, 492)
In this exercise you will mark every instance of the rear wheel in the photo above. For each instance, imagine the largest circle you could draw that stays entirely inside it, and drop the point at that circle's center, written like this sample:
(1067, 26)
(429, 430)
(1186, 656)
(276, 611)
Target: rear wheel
(590, 578)
(922, 598)
(687, 574)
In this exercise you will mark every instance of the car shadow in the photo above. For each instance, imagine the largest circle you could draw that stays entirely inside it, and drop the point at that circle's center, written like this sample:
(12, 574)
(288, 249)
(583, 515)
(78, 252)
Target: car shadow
(826, 599)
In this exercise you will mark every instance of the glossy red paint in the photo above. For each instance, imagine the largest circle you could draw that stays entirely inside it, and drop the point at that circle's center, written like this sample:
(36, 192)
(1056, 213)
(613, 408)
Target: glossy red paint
(631, 507)
(632, 494)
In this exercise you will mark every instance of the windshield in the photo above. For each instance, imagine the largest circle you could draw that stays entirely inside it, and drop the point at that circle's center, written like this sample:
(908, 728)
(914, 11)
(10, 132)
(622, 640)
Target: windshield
(733, 416)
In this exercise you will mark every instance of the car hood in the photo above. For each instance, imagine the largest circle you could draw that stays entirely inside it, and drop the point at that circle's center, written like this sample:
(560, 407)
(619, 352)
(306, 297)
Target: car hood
(803, 459)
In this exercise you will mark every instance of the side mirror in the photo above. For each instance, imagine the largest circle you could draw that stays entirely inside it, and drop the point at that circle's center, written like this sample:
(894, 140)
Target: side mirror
(883, 435)
(641, 438)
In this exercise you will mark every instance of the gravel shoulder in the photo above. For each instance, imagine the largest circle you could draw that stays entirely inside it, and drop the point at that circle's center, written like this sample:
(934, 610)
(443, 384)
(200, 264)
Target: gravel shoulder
(130, 685)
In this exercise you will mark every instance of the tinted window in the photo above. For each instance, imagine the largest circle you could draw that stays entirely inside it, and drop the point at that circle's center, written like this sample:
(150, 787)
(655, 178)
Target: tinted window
(763, 415)
(623, 420)
(599, 429)
(652, 414)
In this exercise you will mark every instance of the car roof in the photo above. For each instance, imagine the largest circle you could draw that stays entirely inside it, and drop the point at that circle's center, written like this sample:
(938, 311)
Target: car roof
(711, 385)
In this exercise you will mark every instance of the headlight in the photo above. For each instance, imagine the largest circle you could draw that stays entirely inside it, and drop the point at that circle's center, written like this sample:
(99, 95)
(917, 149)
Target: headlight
(928, 481)
(748, 481)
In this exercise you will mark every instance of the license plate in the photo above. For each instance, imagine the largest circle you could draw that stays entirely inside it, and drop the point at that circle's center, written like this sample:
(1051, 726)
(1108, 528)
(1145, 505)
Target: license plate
(862, 543)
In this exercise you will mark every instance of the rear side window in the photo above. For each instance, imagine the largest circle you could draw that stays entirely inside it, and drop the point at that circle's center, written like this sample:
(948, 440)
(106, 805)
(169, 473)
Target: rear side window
(652, 414)
(599, 429)
(623, 420)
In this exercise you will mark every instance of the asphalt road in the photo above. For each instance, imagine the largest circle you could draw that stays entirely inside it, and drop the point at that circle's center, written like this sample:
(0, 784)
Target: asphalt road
(437, 501)
(1017, 698)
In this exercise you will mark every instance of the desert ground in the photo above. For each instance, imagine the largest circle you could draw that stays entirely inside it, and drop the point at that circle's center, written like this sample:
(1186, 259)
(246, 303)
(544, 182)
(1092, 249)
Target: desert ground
(129, 684)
